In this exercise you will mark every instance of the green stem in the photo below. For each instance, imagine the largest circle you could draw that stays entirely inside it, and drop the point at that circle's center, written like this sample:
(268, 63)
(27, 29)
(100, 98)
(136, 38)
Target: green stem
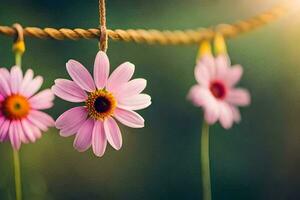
(206, 185)
(17, 170)
(18, 58)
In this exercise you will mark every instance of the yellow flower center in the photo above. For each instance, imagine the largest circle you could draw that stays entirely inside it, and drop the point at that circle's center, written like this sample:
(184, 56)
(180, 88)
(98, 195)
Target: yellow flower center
(15, 107)
(101, 104)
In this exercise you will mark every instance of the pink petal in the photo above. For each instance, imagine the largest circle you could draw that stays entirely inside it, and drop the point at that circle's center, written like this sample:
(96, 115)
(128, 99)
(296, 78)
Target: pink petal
(202, 74)
(222, 66)
(83, 139)
(4, 82)
(6, 139)
(209, 61)
(101, 69)
(135, 102)
(131, 88)
(226, 116)
(80, 75)
(71, 120)
(14, 136)
(37, 132)
(28, 130)
(201, 96)
(198, 95)
(4, 130)
(71, 116)
(129, 118)
(113, 133)
(42, 100)
(43, 117)
(69, 91)
(121, 75)
(211, 110)
(5, 73)
(2, 119)
(240, 97)
(19, 129)
(234, 75)
(33, 86)
(16, 77)
(236, 114)
(70, 130)
(99, 139)
(26, 80)
(40, 120)
(223, 60)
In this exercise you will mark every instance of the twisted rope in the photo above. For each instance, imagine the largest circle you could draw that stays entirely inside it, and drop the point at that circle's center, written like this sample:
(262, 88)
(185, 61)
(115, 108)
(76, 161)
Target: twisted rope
(103, 39)
(153, 36)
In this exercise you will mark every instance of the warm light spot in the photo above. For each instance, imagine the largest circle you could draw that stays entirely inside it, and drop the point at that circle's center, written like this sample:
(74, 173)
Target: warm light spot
(15, 107)
(218, 89)
(101, 104)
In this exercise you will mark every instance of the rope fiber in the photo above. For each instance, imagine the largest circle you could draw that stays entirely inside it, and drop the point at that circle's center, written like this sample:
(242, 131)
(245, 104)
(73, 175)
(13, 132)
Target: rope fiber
(103, 39)
(152, 36)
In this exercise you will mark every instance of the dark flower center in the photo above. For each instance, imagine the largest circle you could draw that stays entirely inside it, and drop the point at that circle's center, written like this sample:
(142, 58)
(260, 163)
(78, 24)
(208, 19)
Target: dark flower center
(102, 104)
(218, 89)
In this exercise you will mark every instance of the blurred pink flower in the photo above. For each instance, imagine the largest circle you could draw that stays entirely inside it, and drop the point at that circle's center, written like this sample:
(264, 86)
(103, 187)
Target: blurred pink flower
(216, 91)
(105, 97)
(20, 118)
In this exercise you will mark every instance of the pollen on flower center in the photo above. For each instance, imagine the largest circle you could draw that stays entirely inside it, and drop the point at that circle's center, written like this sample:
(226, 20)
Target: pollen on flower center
(218, 89)
(15, 107)
(101, 104)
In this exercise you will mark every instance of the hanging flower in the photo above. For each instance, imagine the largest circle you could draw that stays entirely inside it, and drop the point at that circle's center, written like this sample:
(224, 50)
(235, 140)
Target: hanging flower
(105, 98)
(20, 118)
(216, 92)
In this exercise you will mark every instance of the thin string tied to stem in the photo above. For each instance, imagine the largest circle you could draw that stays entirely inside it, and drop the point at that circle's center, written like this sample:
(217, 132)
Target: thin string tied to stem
(103, 36)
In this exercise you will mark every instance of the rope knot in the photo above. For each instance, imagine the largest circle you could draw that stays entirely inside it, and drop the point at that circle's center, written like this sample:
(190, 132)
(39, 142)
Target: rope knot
(103, 38)
(19, 44)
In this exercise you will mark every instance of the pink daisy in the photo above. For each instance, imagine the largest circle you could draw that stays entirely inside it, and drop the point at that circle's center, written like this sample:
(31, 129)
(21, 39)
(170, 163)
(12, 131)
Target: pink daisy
(216, 91)
(20, 118)
(105, 99)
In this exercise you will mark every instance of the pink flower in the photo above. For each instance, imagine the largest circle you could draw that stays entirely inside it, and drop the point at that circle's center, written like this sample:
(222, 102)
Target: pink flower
(216, 91)
(20, 118)
(105, 98)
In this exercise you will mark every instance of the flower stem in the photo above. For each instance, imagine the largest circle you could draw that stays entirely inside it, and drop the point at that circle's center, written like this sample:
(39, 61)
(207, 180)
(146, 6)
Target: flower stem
(206, 186)
(17, 170)
(18, 58)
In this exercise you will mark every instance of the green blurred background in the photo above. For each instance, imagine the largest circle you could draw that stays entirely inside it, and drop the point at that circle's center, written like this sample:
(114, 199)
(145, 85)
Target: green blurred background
(257, 159)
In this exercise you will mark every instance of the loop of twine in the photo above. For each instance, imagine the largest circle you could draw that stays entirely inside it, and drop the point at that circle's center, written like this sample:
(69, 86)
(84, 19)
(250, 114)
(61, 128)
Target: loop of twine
(103, 36)
(19, 44)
